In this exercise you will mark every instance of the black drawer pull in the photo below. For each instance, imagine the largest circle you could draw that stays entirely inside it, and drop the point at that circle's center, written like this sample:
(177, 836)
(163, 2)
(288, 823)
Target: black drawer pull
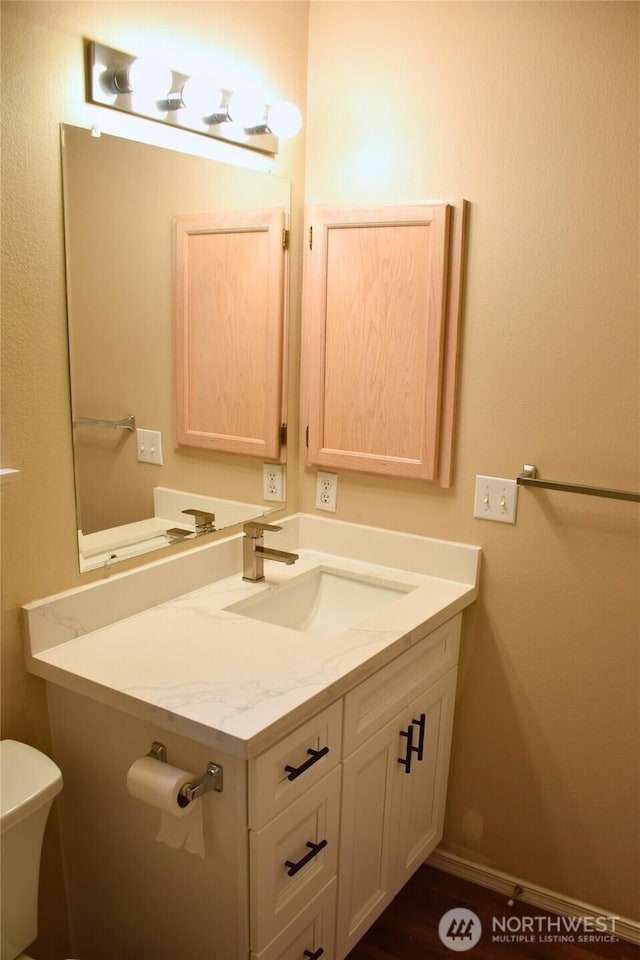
(314, 850)
(422, 722)
(315, 955)
(314, 756)
(406, 761)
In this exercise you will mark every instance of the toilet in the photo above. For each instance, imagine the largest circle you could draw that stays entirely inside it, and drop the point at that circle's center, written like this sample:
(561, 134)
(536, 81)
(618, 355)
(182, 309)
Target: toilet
(29, 781)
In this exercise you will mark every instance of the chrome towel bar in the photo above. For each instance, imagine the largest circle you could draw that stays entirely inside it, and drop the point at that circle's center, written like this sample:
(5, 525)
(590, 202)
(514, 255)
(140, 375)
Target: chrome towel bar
(529, 478)
(127, 423)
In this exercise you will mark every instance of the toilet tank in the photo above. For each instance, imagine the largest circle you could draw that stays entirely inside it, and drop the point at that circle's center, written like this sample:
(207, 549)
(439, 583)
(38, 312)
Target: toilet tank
(28, 783)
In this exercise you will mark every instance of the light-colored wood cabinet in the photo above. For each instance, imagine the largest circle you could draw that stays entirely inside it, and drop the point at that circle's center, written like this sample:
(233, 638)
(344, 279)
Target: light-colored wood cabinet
(230, 331)
(382, 310)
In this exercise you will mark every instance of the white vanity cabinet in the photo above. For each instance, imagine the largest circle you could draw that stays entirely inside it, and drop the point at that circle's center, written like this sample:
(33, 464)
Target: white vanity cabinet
(307, 844)
(335, 748)
(370, 770)
(394, 778)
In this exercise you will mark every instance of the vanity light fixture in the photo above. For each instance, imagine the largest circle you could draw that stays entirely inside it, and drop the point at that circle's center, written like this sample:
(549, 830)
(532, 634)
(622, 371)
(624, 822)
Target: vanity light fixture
(145, 87)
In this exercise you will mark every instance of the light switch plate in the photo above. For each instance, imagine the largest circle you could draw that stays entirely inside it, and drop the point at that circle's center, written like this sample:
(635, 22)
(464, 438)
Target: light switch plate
(149, 446)
(495, 499)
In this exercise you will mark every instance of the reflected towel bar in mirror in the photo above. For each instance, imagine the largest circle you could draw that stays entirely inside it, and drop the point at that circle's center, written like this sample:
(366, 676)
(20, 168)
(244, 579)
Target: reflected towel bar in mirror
(127, 423)
(529, 478)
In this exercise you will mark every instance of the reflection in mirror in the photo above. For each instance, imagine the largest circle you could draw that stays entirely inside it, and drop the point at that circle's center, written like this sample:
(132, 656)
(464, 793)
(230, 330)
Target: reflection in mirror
(135, 478)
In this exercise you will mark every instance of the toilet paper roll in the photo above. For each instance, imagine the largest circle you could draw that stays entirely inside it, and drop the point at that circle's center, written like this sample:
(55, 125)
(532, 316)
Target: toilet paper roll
(159, 784)
(185, 832)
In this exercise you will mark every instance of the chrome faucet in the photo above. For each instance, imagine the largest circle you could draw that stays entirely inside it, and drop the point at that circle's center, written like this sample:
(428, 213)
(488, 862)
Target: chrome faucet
(205, 522)
(254, 552)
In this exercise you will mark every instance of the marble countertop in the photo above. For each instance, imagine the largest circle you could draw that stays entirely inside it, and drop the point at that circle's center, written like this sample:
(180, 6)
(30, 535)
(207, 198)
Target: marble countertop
(228, 680)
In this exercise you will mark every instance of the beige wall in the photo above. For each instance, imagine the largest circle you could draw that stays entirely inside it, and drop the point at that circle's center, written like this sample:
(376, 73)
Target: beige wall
(43, 86)
(530, 111)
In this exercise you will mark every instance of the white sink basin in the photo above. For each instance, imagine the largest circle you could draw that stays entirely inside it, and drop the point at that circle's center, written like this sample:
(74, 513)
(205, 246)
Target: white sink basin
(324, 601)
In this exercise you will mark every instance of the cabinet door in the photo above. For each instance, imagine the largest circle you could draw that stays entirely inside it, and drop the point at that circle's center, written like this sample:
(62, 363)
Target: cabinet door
(230, 271)
(370, 795)
(376, 305)
(393, 796)
(424, 789)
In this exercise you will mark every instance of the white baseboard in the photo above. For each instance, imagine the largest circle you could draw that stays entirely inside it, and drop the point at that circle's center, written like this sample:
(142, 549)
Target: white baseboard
(537, 896)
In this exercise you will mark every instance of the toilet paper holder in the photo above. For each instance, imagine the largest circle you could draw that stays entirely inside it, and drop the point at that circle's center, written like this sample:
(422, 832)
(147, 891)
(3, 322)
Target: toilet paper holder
(212, 778)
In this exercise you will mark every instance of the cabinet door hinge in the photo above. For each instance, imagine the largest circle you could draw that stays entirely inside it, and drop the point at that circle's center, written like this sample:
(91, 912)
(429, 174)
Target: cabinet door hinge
(286, 237)
(283, 434)
(310, 238)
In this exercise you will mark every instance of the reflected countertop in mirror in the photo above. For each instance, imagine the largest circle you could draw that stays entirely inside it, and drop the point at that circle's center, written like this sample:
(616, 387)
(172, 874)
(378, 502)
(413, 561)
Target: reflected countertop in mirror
(121, 202)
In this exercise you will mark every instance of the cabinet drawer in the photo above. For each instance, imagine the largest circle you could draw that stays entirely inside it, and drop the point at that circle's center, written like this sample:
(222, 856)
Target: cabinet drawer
(292, 859)
(281, 774)
(312, 931)
(375, 700)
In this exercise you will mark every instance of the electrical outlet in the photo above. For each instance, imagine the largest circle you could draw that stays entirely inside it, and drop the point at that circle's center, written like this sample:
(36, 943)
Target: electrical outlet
(326, 491)
(273, 482)
(495, 499)
(149, 446)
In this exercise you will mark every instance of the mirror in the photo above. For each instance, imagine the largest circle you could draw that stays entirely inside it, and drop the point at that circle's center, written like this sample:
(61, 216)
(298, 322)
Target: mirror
(122, 200)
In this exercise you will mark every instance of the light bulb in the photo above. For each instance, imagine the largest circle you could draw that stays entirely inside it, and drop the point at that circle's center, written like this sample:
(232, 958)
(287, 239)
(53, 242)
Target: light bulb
(284, 119)
(149, 77)
(246, 109)
(201, 95)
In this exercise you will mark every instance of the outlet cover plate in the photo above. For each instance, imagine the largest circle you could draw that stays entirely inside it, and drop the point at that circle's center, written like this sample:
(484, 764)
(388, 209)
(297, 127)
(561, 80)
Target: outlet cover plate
(495, 499)
(273, 482)
(326, 491)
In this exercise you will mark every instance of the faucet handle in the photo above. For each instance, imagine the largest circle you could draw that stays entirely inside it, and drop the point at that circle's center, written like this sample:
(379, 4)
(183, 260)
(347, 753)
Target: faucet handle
(204, 521)
(255, 528)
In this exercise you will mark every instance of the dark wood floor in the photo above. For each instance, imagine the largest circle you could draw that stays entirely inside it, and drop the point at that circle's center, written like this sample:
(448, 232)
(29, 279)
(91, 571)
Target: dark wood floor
(408, 929)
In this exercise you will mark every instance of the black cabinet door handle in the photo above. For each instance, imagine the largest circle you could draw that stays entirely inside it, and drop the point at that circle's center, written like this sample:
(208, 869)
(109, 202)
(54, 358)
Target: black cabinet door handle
(314, 756)
(406, 760)
(411, 747)
(315, 955)
(314, 850)
(421, 723)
